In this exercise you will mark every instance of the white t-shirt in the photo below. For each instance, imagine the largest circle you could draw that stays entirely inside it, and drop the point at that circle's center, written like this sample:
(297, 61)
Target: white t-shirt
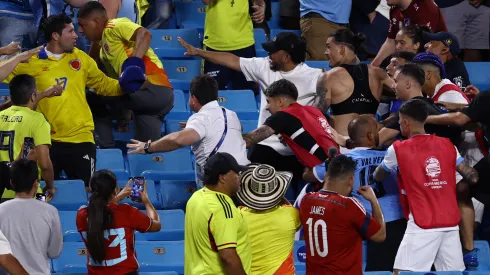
(209, 123)
(449, 96)
(4, 245)
(390, 163)
(304, 77)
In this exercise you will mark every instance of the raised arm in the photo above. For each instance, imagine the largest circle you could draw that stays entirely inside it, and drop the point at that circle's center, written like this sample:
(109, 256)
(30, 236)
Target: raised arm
(386, 50)
(8, 67)
(258, 135)
(221, 58)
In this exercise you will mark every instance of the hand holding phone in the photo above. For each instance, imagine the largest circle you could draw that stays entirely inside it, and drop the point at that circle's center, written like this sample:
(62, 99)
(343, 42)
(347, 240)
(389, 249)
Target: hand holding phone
(137, 188)
(27, 147)
(41, 197)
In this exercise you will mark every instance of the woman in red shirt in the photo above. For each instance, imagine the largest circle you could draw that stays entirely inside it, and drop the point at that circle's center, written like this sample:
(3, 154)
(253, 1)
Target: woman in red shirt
(107, 228)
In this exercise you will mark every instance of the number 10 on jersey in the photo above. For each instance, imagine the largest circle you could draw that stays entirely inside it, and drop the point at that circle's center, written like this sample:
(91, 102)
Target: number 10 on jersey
(317, 233)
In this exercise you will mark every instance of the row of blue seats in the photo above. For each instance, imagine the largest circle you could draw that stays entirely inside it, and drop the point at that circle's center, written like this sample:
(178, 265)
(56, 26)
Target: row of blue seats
(172, 227)
(169, 256)
(165, 194)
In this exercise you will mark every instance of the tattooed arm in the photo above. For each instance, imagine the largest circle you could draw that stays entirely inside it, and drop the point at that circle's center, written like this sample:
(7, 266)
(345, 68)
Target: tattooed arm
(467, 172)
(258, 135)
(323, 97)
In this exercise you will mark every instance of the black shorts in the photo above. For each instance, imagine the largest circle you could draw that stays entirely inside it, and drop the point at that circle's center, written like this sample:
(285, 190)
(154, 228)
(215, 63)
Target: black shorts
(226, 75)
(481, 190)
(77, 160)
(381, 256)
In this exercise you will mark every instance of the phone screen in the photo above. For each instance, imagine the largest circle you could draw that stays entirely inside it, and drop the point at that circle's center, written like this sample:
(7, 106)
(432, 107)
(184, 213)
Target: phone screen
(28, 146)
(138, 183)
(40, 197)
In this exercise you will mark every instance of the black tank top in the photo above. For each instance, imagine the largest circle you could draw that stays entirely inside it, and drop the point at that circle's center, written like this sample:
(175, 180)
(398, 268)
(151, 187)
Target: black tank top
(362, 100)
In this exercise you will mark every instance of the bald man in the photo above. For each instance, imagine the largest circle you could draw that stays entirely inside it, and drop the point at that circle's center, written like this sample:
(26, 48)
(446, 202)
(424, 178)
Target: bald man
(363, 131)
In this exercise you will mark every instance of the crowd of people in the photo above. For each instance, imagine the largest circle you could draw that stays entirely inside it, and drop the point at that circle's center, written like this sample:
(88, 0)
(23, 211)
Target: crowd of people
(394, 153)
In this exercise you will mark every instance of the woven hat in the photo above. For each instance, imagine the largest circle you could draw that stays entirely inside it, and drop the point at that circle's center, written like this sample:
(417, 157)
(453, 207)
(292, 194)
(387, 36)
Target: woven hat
(262, 187)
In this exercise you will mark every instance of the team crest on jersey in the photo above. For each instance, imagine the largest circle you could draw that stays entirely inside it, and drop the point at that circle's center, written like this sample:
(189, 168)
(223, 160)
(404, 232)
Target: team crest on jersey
(432, 167)
(323, 122)
(75, 64)
(106, 47)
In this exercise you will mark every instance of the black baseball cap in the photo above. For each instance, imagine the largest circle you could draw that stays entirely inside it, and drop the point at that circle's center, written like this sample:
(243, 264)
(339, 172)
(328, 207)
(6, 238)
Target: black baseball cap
(286, 41)
(222, 163)
(447, 38)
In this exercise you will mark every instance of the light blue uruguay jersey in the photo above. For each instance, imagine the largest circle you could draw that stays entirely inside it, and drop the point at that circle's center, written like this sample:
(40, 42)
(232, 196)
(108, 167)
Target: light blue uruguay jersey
(387, 192)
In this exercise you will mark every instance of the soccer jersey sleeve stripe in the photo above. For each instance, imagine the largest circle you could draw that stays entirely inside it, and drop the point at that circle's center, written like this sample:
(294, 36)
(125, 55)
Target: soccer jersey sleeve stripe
(365, 226)
(226, 244)
(226, 206)
(359, 205)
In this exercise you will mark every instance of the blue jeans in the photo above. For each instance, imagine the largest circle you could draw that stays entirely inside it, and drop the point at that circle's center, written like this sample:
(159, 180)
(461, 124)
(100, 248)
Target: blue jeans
(158, 14)
(17, 30)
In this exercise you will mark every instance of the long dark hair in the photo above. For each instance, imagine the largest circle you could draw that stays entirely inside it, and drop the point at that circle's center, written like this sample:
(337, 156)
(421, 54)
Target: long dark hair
(415, 33)
(355, 41)
(100, 217)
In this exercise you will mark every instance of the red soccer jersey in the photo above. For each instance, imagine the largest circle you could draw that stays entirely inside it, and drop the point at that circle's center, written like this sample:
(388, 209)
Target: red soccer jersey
(334, 227)
(420, 12)
(120, 252)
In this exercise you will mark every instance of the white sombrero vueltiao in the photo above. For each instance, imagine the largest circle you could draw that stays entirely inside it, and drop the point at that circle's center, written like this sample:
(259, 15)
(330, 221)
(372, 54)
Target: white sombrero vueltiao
(262, 187)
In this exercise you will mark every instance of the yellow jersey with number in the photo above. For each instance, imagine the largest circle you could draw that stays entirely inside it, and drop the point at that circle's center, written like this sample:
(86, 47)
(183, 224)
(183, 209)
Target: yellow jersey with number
(69, 114)
(212, 223)
(17, 123)
(228, 25)
(117, 46)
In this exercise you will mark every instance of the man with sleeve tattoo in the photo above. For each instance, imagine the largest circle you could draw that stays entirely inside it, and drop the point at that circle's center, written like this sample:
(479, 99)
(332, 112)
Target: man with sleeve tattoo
(303, 128)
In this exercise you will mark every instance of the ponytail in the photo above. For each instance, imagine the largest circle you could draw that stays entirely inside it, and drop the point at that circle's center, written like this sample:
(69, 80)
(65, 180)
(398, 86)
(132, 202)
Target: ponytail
(100, 217)
(354, 41)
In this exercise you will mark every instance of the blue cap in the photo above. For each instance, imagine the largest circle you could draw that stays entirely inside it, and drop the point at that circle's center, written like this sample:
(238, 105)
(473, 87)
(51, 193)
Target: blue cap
(430, 58)
(132, 75)
(448, 39)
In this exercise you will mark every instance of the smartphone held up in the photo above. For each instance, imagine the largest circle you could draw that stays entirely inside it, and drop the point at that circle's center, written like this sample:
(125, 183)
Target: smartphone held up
(138, 185)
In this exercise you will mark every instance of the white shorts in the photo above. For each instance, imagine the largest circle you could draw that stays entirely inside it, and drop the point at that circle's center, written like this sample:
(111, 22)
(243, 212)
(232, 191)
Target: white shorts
(418, 251)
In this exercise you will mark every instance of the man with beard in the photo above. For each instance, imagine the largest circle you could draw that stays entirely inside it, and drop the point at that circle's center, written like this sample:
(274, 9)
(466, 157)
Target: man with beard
(363, 132)
(409, 12)
(287, 53)
(59, 62)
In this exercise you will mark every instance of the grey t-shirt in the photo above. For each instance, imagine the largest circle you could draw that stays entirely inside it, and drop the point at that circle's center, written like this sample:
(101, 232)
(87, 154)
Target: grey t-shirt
(33, 229)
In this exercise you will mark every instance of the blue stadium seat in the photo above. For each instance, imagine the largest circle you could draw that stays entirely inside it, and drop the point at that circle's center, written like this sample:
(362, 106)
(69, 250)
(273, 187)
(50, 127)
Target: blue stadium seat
(476, 272)
(242, 102)
(299, 254)
(432, 273)
(249, 125)
(273, 22)
(318, 64)
(175, 194)
(191, 15)
(275, 32)
(152, 195)
(179, 111)
(260, 37)
(112, 159)
(181, 72)
(69, 226)
(73, 258)
(479, 73)
(124, 136)
(173, 223)
(161, 256)
(174, 165)
(165, 44)
(70, 195)
(4, 86)
(173, 125)
(4, 92)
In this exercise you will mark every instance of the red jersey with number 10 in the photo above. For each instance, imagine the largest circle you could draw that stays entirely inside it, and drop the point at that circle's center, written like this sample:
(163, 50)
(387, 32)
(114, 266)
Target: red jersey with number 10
(120, 255)
(334, 227)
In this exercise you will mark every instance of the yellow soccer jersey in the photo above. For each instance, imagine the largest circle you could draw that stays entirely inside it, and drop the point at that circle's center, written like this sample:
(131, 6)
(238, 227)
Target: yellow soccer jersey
(228, 25)
(272, 237)
(17, 123)
(212, 223)
(116, 47)
(69, 114)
